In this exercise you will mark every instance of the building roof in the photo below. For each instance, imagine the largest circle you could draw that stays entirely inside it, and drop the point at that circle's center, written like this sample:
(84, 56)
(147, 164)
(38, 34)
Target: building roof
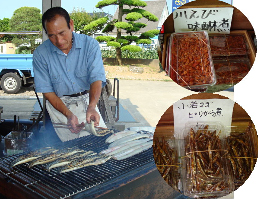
(154, 7)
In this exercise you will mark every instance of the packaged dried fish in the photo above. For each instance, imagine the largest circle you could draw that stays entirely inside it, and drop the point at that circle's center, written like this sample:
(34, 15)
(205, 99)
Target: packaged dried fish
(206, 172)
(241, 152)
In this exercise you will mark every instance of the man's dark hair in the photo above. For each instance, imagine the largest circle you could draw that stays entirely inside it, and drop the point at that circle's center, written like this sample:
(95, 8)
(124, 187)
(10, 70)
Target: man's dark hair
(52, 12)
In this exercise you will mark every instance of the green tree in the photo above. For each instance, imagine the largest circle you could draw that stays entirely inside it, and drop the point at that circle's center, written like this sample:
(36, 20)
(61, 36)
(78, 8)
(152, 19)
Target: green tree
(26, 19)
(81, 18)
(4, 27)
(130, 25)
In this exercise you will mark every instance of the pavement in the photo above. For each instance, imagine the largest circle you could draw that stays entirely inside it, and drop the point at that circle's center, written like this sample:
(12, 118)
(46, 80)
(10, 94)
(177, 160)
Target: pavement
(142, 103)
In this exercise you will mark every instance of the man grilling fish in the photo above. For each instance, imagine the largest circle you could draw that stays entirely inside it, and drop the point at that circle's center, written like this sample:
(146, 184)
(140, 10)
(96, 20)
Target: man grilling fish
(69, 71)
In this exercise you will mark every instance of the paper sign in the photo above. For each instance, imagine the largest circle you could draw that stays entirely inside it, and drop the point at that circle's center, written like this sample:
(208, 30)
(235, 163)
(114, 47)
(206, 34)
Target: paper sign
(212, 20)
(206, 111)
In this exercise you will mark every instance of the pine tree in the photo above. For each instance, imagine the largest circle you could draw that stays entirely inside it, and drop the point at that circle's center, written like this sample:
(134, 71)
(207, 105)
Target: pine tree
(131, 26)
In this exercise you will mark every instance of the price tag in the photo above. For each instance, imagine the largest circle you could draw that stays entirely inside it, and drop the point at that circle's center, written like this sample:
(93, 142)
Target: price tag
(212, 20)
(207, 111)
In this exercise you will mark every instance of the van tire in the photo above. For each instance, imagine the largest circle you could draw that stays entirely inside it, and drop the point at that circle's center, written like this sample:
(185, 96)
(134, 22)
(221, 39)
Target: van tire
(11, 83)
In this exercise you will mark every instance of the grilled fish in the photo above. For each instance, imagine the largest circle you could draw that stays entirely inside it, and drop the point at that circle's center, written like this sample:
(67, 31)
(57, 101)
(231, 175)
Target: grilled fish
(94, 161)
(119, 135)
(62, 161)
(127, 146)
(32, 156)
(55, 155)
(133, 151)
(128, 139)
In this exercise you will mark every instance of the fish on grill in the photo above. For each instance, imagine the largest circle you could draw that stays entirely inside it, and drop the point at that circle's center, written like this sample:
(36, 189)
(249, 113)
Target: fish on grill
(97, 131)
(133, 151)
(55, 155)
(128, 139)
(125, 146)
(62, 161)
(32, 156)
(119, 135)
(80, 163)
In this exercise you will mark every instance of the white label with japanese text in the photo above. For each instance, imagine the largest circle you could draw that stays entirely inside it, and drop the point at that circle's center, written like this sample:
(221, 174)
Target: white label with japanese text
(207, 111)
(212, 20)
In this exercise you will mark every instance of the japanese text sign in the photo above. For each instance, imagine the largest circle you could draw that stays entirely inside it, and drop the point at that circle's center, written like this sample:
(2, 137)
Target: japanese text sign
(196, 111)
(212, 20)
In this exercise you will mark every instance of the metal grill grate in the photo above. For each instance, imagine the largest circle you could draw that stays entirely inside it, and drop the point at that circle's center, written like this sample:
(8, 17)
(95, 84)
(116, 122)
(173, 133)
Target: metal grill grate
(55, 185)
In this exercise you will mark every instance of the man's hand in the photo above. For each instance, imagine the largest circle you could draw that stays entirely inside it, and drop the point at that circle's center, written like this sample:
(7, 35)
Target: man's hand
(72, 121)
(92, 115)
(58, 104)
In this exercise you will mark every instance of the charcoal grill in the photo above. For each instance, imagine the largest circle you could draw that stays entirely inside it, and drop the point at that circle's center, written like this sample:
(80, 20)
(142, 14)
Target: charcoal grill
(86, 182)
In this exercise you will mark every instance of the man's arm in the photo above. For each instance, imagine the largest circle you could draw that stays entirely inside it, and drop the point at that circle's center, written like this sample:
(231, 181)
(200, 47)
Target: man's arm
(95, 91)
(58, 104)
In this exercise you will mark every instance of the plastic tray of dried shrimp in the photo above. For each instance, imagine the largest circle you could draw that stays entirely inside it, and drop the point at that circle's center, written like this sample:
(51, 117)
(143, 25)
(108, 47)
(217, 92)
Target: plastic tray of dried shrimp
(242, 152)
(228, 45)
(231, 70)
(205, 170)
(191, 64)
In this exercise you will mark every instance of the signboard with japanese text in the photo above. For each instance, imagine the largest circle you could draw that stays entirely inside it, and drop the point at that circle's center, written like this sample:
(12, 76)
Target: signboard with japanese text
(196, 111)
(212, 20)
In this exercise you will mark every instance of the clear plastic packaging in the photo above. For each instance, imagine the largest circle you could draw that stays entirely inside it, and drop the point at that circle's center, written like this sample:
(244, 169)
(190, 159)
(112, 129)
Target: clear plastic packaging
(228, 45)
(231, 71)
(205, 167)
(241, 151)
(191, 64)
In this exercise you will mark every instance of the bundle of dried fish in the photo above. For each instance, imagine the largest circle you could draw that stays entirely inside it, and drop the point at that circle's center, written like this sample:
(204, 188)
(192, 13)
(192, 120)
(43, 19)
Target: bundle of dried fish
(166, 159)
(241, 155)
(205, 163)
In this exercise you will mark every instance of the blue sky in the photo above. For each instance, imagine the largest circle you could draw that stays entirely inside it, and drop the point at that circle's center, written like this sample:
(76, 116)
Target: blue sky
(7, 7)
